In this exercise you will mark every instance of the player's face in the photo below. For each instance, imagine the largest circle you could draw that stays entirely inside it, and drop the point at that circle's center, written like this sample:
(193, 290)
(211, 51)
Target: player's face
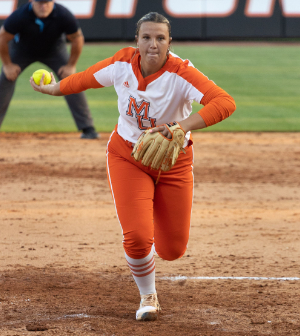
(42, 9)
(153, 42)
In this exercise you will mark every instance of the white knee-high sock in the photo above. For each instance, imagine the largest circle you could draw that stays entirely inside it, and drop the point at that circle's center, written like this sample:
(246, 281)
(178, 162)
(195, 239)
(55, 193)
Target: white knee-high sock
(143, 271)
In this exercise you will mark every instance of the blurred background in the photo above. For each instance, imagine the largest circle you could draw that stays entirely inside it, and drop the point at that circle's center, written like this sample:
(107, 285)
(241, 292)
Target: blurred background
(248, 47)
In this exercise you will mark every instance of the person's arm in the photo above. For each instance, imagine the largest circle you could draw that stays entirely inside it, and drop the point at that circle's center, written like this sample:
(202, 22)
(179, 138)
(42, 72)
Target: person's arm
(75, 83)
(52, 89)
(193, 122)
(10, 69)
(77, 41)
(84, 80)
(218, 105)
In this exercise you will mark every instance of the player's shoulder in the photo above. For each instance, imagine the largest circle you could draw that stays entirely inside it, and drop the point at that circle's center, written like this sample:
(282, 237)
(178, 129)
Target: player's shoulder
(124, 55)
(179, 63)
(185, 69)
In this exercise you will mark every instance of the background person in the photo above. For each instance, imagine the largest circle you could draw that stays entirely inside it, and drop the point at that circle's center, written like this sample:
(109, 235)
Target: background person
(35, 33)
(154, 87)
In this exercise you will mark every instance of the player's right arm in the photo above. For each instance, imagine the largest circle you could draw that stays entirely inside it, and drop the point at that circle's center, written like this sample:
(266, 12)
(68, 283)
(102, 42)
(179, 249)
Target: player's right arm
(52, 89)
(78, 82)
(75, 83)
(10, 69)
(99, 75)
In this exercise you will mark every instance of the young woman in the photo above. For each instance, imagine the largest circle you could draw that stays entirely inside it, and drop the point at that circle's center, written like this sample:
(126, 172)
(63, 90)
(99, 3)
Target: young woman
(154, 87)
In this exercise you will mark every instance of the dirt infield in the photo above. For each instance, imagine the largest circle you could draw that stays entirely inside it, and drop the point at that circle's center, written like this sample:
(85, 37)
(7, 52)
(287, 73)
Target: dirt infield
(62, 267)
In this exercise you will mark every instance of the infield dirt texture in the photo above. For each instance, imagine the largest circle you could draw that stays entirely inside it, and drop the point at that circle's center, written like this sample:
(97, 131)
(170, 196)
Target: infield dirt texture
(62, 267)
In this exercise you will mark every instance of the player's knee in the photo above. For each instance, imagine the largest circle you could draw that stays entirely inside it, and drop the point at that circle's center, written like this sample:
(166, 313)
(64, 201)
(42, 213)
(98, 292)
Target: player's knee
(171, 253)
(137, 246)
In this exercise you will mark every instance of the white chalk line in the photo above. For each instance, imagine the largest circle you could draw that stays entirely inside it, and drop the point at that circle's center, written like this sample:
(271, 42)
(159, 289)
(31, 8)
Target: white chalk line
(175, 278)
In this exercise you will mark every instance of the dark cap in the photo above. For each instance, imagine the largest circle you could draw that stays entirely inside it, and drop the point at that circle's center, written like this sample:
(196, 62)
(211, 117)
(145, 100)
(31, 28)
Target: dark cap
(42, 0)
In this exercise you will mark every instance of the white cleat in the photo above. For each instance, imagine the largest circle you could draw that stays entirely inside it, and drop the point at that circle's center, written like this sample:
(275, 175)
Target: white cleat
(149, 308)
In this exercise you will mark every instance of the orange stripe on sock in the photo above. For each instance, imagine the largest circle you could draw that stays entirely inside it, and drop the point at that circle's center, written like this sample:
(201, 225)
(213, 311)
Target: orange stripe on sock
(142, 275)
(143, 269)
(147, 263)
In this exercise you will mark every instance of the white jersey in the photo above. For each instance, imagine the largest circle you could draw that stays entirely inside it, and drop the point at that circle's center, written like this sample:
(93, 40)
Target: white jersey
(163, 97)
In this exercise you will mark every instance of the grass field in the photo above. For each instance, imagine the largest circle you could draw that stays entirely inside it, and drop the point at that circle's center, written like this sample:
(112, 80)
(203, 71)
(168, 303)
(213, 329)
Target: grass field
(262, 78)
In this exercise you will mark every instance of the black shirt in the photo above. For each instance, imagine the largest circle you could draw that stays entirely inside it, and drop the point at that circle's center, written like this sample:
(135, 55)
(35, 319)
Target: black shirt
(36, 36)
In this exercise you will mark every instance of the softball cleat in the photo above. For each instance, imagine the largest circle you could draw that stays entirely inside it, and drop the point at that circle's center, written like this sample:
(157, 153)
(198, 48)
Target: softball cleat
(149, 308)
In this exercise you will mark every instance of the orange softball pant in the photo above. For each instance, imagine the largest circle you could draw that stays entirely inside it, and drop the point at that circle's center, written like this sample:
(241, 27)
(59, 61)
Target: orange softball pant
(150, 213)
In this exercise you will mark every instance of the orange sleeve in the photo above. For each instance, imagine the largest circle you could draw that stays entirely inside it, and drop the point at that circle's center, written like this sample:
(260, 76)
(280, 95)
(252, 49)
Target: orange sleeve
(84, 80)
(218, 105)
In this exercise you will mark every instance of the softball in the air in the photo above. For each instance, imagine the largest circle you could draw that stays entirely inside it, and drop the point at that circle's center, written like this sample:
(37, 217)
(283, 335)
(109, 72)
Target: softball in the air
(37, 75)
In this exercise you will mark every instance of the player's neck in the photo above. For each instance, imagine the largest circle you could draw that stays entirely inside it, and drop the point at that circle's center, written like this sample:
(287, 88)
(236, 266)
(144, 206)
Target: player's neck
(147, 70)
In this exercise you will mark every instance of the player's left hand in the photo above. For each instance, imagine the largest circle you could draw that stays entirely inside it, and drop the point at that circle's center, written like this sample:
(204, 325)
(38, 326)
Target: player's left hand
(160, 146)
(66, 70)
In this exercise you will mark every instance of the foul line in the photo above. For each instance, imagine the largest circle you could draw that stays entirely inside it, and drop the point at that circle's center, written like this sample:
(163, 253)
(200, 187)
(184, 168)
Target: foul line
(227, 278)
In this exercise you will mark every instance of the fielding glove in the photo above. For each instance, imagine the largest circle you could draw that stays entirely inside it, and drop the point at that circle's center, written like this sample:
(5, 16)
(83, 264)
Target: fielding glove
(157, 151)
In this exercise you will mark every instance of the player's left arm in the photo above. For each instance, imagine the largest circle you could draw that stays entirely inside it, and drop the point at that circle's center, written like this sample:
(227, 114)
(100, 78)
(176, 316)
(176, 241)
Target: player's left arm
(77, 40)
(193, 122)
(218, 105)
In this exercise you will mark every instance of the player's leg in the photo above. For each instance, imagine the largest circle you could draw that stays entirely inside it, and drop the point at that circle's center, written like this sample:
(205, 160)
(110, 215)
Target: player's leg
(172, 208)
(77, 102)
(133, 190)
(7, 87)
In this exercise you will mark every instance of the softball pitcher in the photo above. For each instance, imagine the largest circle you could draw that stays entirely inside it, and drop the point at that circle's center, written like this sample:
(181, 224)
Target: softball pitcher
(150, 152)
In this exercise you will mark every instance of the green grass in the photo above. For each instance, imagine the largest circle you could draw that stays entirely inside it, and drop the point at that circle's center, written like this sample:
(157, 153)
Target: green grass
(264, 81)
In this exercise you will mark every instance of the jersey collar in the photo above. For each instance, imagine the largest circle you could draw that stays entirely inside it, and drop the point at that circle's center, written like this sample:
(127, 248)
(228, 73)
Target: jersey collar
(143, 82)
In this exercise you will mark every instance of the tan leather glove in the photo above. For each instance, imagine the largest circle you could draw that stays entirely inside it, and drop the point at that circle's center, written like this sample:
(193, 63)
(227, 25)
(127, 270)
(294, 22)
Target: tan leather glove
(157, 151)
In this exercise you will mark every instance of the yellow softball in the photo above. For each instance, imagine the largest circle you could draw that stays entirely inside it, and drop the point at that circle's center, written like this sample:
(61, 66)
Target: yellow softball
(37, 75)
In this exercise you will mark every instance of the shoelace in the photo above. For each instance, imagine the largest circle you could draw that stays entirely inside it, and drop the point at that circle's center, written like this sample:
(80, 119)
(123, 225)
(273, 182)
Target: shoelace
(149, 300)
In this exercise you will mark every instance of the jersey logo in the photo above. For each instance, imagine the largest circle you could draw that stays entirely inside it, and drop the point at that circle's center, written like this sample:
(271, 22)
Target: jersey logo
(141, 113)
(126, 84)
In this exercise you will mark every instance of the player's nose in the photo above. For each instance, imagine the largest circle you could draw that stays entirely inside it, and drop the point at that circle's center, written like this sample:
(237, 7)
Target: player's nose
(153, 43)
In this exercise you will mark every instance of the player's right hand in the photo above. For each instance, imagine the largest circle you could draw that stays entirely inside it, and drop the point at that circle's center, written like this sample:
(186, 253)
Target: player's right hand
(47, 89)
(163, 130)
(11, 71)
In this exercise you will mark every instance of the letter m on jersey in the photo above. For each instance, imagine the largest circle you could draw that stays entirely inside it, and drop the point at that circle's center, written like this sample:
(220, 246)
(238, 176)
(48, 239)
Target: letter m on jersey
(141, 113)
